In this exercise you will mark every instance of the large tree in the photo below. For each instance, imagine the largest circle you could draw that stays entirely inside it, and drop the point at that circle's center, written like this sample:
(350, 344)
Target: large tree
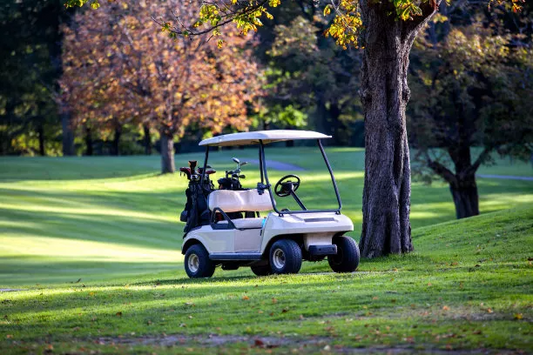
(119, 66)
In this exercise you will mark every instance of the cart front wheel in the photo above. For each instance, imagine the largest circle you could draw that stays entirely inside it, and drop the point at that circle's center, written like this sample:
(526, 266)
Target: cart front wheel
(347, 258)
(285, 257)
(197, 262)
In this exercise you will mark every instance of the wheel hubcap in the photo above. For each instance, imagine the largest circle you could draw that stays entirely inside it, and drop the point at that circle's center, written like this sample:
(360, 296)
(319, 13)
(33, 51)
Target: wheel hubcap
(193, 262)
(278, 259)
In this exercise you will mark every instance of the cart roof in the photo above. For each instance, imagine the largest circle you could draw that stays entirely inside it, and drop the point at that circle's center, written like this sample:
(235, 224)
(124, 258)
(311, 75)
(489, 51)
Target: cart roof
(248, 138)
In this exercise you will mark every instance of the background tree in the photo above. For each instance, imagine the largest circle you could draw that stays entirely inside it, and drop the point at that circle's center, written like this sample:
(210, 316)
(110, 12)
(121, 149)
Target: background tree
(476, 86)
(30, 50)
(313, 74)
(140, 73)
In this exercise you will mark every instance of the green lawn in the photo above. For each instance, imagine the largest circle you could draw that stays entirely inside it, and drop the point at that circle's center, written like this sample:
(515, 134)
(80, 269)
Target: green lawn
(113, 223)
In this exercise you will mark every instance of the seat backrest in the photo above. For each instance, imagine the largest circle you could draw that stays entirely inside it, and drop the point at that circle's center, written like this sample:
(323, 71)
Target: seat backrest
(241, 200)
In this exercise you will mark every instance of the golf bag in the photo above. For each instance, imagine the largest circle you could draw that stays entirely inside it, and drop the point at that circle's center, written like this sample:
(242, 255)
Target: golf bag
(196, 212)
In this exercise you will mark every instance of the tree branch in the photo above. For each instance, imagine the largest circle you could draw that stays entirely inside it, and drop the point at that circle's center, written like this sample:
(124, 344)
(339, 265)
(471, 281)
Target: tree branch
(482, 157)
(442, 171)
(230, 17)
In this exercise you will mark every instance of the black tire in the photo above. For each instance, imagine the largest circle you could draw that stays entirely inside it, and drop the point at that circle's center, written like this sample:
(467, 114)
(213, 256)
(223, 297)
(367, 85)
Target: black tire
(285, 257)
(197, 262)
(348, 256)
(263, 270)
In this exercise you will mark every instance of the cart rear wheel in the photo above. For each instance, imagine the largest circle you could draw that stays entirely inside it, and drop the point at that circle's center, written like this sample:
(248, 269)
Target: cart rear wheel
(197, 262)
(285, 257)
(263, 270)
(347, 258)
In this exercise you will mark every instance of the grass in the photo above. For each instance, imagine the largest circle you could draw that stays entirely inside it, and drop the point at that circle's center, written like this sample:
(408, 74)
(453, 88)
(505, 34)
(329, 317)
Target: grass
(113, 223)
(467, 286)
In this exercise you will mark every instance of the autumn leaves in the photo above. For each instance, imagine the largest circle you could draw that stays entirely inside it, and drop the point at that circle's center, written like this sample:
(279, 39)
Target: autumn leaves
(121, 69)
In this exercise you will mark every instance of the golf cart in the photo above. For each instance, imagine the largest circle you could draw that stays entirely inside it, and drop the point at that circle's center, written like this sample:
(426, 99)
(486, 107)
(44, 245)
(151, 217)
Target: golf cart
(224, 226)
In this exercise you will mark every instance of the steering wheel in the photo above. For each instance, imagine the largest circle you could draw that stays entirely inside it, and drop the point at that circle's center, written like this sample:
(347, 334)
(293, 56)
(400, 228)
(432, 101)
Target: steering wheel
(283, 188)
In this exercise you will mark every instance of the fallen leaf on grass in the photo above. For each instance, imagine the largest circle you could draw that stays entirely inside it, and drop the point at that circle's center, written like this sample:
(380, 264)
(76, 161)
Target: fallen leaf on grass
(445, 308)
(119, 314)
(518, 316)
(245, 298)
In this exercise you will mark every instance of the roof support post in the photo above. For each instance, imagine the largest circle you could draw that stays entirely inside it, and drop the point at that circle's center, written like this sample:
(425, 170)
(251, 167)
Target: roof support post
(330, 173)
(264, 167)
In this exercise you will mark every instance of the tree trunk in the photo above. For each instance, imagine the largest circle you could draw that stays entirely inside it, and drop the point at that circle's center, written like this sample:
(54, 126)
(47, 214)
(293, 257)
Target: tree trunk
(463, 185)
(465, 198)
(167, 153)
(89, 141)
(335, 126)
(384, 94)
(147, 140)
(68, 134)
(40, 132)
(116, 141)
(321, 116)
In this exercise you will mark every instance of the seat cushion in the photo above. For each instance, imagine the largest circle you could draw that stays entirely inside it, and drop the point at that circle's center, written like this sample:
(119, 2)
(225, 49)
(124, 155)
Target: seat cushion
(248, 223)
(241, 200)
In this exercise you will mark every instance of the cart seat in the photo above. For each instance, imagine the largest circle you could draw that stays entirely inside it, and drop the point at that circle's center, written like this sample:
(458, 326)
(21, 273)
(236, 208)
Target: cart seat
(240, 200)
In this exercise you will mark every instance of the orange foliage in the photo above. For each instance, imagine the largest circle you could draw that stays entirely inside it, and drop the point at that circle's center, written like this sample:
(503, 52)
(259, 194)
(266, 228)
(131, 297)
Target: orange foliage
(119, 67)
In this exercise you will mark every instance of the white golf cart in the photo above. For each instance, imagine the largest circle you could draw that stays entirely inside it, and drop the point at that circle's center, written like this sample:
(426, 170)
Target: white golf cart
(224, 226)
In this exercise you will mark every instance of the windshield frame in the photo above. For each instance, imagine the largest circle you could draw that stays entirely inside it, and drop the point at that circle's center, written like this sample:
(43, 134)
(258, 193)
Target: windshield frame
(264, 172)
